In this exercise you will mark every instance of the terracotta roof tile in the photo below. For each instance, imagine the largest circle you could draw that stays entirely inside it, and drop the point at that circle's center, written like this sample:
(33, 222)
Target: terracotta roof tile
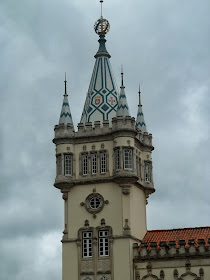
(176, 235)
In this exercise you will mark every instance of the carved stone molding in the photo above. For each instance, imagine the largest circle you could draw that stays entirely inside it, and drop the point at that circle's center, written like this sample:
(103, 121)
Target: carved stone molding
(65, 195)
(65, 232)
(150, 275)
(104, 265)
(189, 273)
(126, 229)
(125, 188)
(87, 266)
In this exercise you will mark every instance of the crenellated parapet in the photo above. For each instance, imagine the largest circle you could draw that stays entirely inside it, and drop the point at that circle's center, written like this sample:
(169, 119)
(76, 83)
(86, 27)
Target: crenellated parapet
(172, 249)
(121, 126)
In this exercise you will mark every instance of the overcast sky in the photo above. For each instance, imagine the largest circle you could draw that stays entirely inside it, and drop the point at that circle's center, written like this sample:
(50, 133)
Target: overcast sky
(165, 46)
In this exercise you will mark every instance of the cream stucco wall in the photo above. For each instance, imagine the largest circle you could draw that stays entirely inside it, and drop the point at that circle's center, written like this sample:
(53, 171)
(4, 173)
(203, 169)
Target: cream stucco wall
(125, 212)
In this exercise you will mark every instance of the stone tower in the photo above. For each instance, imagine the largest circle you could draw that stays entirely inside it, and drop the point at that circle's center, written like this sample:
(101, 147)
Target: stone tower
(104, 171)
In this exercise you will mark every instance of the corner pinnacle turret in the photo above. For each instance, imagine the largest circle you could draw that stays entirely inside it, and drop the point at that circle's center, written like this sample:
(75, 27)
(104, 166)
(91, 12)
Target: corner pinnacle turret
(122, 109)
(140, 122)
(65, 116)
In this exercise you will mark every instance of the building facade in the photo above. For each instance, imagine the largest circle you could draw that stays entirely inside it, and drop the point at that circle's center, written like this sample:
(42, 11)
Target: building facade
(105, 174)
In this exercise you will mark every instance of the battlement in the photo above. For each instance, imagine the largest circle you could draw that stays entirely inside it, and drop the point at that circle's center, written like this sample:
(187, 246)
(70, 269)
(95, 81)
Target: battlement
(171, 249)
(96, 129)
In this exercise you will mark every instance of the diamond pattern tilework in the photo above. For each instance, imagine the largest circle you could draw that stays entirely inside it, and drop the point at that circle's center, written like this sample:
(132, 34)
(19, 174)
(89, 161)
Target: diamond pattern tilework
(102, 98)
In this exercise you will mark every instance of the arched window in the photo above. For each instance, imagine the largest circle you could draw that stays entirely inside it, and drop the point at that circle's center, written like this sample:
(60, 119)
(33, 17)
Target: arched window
(103, 162)
(68, 163)
(117, 159)
(103, 243)
(128, 158)
(147, 171)
(87, 244)
(93, 163)
(84, 164)
(59, 164)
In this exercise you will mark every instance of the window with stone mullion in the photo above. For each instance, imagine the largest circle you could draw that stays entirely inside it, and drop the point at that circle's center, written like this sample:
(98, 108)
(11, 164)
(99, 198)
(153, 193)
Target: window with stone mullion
(117, 159)
(87, 244)
(103, 162)
(59, 164)
(84, 164)
(103, 243)
(128, 158)
(68, 165)
(147, 171)
(93, 163)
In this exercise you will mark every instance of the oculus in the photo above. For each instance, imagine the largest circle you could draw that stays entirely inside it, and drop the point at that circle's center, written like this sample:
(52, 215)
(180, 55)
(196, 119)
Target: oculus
(94, 203)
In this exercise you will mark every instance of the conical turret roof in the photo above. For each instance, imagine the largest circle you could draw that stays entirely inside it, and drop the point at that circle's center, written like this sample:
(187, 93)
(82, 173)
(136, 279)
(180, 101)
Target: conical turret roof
(122, 109)
(65, 116)
(102, 96)
(140, 122)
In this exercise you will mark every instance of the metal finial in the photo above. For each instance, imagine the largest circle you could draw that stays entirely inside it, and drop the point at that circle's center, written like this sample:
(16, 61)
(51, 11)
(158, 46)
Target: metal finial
(122, 85)
(101, 1)
(139, 95)
(65, 82)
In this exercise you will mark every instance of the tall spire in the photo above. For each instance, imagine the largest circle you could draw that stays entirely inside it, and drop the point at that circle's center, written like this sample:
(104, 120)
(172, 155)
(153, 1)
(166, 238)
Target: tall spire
(122, 109)
(65, 116)
(102, 97)
(140, 122)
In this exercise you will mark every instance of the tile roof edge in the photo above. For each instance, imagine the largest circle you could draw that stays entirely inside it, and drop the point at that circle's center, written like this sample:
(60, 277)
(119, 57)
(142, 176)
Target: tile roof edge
(172, 229)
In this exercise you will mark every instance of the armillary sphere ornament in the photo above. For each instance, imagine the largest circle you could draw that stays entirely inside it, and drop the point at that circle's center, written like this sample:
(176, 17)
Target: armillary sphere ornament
(102, 25)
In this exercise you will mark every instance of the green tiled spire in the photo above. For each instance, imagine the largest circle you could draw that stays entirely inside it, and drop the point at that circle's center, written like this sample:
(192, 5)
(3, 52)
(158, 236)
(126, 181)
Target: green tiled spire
(65, 116)
(102, 96)
(122, 109)
(140, 122)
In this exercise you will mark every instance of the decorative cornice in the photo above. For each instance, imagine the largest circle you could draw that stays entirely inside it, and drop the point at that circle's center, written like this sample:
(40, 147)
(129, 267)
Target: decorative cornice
(122, 179)
(170, 251)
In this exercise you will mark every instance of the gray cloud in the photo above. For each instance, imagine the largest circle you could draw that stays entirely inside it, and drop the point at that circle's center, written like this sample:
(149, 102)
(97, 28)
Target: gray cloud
(162, 45)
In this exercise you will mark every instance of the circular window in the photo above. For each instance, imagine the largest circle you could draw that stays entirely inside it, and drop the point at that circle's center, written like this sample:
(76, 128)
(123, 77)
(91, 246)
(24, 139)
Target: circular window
(94, 203)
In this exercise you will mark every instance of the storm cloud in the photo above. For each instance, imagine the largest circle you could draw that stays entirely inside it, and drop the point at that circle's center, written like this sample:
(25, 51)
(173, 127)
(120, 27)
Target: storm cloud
(163, 45)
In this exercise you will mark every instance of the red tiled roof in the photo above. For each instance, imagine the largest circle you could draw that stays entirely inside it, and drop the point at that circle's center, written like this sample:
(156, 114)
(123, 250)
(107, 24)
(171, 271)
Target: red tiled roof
(176, 235)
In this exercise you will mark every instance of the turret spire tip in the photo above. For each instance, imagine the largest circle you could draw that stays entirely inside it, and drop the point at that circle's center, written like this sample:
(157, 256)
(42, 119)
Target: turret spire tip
(140, 95)
(65, 82)
(122, 74)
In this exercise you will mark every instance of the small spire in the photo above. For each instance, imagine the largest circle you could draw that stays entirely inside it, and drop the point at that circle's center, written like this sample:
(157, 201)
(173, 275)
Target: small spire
(65, 82)
(140, 96)
(122, 85)
(101, 1)
(65, 116)
(122, 109)
(140, 122)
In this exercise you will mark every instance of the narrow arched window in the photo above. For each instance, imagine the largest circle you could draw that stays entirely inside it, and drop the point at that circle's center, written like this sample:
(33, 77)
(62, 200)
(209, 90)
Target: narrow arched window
(87, 244)
(68, 161)
(103, 243)
(117, 159)
(59, 164)
(84, 164)
(103, 162)
(128, 158)
(147, 171)
(93, 163)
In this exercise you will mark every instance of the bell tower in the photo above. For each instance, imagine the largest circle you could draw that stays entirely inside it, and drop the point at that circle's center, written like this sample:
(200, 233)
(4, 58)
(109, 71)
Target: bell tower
(104, 172)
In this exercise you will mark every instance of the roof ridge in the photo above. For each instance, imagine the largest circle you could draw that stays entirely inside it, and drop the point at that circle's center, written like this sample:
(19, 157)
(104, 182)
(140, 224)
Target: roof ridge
(158, 230)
